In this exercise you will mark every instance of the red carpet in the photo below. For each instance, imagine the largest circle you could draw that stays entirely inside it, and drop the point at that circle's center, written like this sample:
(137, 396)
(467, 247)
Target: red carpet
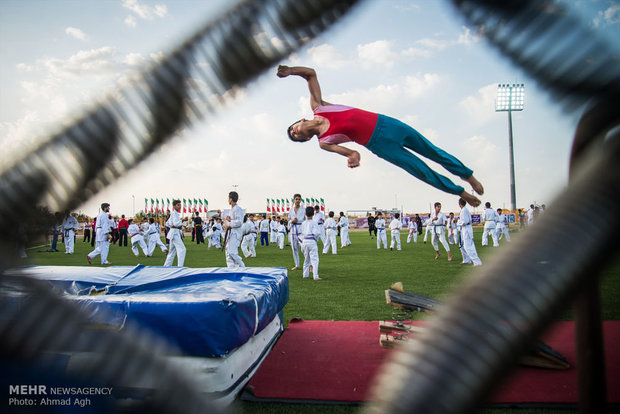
(325, 361)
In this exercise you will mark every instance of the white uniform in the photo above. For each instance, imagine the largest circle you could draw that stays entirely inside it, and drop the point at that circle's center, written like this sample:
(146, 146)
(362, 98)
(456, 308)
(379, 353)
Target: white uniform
(381, 236)
(273, 229)
(331, 231)
(413, 231)
(177, 247)
(281, 236)
(309, 234)
(437, 227)
(102, 244)
(295, 229)
(501, 227)
(468, 249)
(319, 219)
(137, 239)
(395, 226)
(344, 231)
(69, 227)
(153, 237)
(429, 228)
(248, 244)
(234, 237)
(490, 217)
(530, 217)
(451, 230)
(215, 239)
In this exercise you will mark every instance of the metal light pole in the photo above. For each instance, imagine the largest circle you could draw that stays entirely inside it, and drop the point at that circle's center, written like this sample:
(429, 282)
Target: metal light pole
(510, 98)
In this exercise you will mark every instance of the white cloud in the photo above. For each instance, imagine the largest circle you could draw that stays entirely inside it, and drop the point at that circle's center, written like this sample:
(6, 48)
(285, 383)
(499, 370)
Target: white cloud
(326, 56)
(416, 86)
(381, 98)
(379, 52)
(467, 37)
(75, 33)
(134, 59)
(130, 21)
(479, 108)
(25, 68)
(92, 61)
(143, 11)
(612, 14)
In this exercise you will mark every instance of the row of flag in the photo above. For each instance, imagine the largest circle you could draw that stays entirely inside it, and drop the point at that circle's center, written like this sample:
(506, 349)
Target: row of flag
(188, 205)
(283, 205)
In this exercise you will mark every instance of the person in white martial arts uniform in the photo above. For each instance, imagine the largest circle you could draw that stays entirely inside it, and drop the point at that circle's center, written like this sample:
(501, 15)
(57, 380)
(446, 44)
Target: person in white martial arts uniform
(428, 228)
(451, 229)
(319, 219)
(331, 230)
(381, 234)
(309, 234)
(281, 237)
(343, 222)
(466, 241)
(216, 234)
(438, 223)
(530, 215)
(153, 238)
(413, 230)
(69, 226)
(103, 229)
(273, 229)
(489, 216)
(395, 226)
(248, 244)
(175, 224)
(502, 223)
(296, 216)
(137, 239)
(234, 220)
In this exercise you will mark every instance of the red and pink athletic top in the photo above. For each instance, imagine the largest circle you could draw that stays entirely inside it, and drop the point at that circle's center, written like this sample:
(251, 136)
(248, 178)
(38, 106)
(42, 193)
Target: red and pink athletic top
(346, 124)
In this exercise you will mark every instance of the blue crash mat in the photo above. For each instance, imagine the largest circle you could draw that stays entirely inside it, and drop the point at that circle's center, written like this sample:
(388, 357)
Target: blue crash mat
(203, 312)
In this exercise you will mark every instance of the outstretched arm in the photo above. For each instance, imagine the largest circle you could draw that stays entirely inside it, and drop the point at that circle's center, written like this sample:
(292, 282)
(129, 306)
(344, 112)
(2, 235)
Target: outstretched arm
(353, 156)
(309, 75)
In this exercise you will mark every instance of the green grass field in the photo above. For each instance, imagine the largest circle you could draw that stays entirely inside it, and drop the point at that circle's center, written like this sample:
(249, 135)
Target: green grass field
(352, 287)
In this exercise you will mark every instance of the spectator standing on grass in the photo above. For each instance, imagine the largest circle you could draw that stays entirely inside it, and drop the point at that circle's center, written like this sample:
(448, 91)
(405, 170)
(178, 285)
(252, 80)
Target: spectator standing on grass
(371, 225)
(87, 226)
(123, 226)
(466, 241)
(264, 231)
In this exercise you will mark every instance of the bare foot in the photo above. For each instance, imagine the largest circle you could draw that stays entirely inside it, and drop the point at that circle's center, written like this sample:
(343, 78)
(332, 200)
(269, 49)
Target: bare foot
(437, 255)
(449, 257)
(471, 199)
(294, 268)
(475, 184)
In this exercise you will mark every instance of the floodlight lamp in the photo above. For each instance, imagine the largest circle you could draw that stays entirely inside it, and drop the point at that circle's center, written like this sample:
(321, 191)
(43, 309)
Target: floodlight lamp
(510, 97)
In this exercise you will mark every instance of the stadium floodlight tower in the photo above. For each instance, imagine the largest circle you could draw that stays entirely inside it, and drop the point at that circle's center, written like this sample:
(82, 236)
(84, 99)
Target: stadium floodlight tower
(510, 98)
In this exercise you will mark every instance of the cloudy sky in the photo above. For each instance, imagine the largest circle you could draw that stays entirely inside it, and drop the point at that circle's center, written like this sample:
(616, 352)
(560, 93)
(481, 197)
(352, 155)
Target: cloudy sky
(413, 60)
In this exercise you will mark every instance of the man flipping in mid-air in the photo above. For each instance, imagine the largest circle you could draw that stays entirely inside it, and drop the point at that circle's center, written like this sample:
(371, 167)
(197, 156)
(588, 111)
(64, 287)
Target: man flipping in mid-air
(386, 137)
